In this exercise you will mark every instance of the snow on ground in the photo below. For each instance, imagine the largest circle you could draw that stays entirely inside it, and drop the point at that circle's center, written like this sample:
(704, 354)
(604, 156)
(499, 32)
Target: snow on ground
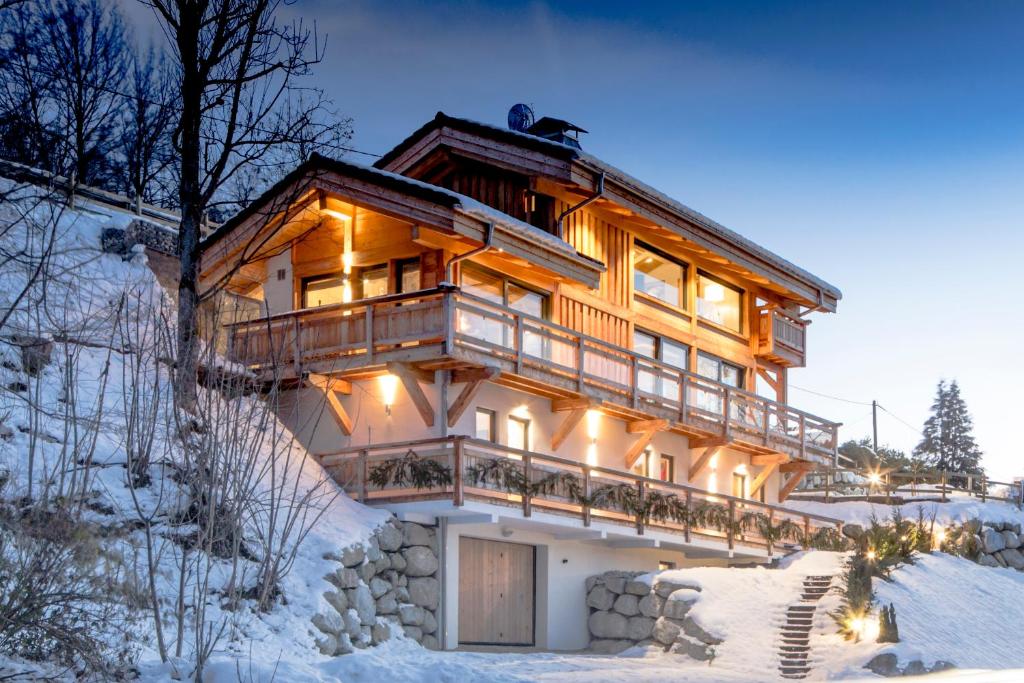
(947, 608)
(959, 508)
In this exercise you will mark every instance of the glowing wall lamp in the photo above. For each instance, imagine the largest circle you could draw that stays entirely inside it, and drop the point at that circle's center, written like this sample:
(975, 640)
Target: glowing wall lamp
(593, 430)
(388, 389)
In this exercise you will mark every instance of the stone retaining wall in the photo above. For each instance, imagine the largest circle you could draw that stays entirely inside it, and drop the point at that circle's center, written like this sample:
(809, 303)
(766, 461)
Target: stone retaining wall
(388, 584)
(1001, 543)
(626, 612)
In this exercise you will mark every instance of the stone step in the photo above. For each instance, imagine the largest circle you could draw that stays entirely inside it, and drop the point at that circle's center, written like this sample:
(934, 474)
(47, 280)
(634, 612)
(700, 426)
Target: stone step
(794, 649)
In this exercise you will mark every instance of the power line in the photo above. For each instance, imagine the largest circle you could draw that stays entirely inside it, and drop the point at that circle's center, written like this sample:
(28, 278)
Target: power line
(834, 398)
(901, 420)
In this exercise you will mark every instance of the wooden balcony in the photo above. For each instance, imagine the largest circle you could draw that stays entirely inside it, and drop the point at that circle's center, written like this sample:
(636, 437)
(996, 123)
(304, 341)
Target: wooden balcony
(782, 337)
(446, 328)
(566, 491)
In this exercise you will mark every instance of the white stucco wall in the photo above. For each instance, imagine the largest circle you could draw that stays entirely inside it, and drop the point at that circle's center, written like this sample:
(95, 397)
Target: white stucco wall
(278, 293)
(562, 569)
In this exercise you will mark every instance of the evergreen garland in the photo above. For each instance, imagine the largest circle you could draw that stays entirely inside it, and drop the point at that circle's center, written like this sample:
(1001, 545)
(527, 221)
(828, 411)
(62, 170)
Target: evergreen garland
(411, 469)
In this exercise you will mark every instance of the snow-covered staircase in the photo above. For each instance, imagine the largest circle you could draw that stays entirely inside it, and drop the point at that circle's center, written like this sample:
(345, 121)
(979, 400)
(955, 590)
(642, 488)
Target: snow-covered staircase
(795, 635)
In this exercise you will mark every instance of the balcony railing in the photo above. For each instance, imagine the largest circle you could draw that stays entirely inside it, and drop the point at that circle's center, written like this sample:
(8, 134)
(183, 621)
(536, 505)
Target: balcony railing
(782, 337)
(447, 323)
(486, 472)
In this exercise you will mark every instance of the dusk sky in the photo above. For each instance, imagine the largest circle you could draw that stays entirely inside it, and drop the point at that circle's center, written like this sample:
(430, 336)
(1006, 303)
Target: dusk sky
(876, 145)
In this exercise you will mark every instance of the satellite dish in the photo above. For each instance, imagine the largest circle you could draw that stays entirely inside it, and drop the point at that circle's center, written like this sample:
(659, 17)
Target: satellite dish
(520, 117)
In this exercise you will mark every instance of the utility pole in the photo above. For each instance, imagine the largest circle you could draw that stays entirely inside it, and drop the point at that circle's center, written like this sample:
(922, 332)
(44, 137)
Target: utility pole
(874, 426)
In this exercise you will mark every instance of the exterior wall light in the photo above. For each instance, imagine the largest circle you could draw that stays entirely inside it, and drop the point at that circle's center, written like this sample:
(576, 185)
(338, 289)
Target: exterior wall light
(388, 389)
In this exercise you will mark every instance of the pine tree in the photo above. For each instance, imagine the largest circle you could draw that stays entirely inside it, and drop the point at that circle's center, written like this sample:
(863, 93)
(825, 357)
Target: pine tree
(947, 442)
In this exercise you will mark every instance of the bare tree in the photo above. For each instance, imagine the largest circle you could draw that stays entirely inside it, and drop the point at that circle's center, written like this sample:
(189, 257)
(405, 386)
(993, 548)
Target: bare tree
(145, 136)
(240, 103)
(85, 54)
(26, 114)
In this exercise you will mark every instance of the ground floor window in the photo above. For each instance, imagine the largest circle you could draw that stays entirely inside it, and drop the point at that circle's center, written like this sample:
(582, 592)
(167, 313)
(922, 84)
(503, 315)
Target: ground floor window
(518, 433)
(666, 468)
(739, 485)
(486, 424)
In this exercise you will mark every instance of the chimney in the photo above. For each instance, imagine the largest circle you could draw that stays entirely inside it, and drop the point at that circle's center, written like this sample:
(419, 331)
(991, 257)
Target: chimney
(557, 130)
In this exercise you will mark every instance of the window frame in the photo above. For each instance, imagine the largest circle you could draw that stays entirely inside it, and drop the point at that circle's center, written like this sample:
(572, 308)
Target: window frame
(525, 422)
(684, 296)
(741, 305)
(505, 282)
(402, 263)
(721, 364)
(743, 479)
(305, 281)
(670, 460)
(492, 419)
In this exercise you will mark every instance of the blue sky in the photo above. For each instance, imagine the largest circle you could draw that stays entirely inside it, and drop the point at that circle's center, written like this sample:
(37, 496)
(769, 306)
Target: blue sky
(878, 145)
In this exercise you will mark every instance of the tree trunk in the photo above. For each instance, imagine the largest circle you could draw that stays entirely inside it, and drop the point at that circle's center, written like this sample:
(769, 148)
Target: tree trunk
(190, 195)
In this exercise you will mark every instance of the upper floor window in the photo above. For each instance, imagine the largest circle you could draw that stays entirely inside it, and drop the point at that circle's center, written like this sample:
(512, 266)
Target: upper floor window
(497, 327)
(720, 371)
(719, 303)
(407, 276)
(655, 380)
(502, 290)
(659, 276)
(322, 290)
(373, 281)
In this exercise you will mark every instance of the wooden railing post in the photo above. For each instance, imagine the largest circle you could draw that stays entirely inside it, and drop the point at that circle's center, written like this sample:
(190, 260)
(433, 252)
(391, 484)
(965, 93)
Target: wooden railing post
(732, 524)
(458, 495)
(640, 507)
(369, 334)
(634, 382)
(727, 412)
(448, 320)
(363, 475)
(689, 510)
(766, 422)
(586, 495)
(807, 531)
(580, 366)
(682, 397)
(528, 476)
(519, 344)
(803, 437)
(984, 487)
(297, 347)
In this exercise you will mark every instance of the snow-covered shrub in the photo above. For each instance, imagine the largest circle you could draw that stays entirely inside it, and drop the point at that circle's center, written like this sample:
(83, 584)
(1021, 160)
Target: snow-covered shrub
(64, 596)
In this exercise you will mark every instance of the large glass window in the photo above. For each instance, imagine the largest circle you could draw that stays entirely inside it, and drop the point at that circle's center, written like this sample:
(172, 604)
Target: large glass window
(718, 370)
(373, 281)
(408, 275)
(719, 303)
(499, 329)
(655, 380)
(739, 485)
(322, 290)
(658, 276)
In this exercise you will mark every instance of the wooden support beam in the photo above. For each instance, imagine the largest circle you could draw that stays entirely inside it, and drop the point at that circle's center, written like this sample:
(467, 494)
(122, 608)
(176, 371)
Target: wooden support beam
(467, 375)
(702, 462)
(637, 449)
(474, 379)
(765, 459)
(797, 466)
(410, 381)
(331, 388)
(641, 426)
(790, 484)
(568, 424)
(761, 478)
(325, 382)
(561, 404)
(425, 376)
(773, 382)
(710, 442)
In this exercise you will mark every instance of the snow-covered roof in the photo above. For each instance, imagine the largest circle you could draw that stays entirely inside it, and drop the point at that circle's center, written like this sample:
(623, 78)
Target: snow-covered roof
(458, 202)
(622, 178)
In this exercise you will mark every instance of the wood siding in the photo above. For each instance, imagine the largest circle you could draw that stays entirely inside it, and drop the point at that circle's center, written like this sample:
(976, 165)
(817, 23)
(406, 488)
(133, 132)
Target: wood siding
(496, 592)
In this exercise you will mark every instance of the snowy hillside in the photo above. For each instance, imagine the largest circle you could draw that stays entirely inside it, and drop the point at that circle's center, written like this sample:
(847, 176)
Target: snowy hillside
(76, 416)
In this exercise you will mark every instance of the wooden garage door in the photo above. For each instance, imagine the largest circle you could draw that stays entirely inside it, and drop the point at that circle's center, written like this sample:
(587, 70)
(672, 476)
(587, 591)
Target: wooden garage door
(496, 592)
